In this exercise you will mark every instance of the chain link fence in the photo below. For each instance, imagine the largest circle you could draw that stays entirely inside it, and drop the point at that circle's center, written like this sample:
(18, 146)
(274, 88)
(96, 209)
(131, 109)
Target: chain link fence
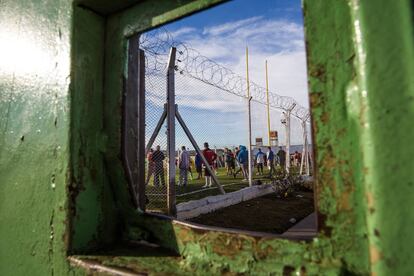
(215, 112)
(156, 155)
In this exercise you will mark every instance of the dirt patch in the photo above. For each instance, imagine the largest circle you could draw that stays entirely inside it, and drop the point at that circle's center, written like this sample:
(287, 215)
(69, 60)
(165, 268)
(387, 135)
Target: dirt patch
(264, 214)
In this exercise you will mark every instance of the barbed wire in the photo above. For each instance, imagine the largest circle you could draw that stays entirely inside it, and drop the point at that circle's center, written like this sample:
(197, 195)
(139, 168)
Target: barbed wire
(192, 63)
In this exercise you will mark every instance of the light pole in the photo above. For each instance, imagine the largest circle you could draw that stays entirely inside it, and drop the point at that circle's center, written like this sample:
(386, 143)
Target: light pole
(249, 99)
(286, 122)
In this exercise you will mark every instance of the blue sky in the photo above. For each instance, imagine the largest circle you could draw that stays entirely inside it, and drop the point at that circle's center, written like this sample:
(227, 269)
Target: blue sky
(273, 31)
(289, 10)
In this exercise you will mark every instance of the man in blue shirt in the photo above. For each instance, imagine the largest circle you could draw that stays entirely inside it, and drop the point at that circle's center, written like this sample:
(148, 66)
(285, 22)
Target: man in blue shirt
(243, 158)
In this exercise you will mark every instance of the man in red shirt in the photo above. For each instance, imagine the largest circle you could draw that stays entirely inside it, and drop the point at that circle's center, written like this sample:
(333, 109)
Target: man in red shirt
(210, 156)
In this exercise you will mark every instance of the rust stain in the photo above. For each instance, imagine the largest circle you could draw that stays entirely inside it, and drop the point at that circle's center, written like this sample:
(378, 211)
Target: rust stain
(370, 199)
(316, 99)
(323, 227)
(375, 255)
(344, 202)
(341, 132)
(261, 253)
(303, 271)
(228, 246)
(324, 117)
(346, 196)
(288, 270)
(318, 71)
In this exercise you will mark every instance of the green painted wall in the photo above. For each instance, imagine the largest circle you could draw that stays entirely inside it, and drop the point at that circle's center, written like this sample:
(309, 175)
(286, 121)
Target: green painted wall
(384, 38)
(35, 50)
(62, 187)
(94, 217)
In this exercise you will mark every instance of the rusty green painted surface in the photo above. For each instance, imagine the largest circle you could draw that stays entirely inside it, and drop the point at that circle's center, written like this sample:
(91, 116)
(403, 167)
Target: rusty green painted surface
(384, 38)
(35, 50)
(62, 186)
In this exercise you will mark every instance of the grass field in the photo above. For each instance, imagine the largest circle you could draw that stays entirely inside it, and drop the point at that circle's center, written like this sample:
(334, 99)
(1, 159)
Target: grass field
(158, 195)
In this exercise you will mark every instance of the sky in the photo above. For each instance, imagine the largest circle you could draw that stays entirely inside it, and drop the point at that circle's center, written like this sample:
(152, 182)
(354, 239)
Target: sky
(273, 31)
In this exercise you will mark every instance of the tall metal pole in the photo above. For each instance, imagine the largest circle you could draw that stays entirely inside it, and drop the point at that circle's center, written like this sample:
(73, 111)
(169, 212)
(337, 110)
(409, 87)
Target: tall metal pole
(267, 105)
(249, 118)
(287, 125)
(172, 211)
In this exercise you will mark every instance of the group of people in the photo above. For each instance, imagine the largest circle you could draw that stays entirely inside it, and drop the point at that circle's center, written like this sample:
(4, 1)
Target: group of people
(184, 162)
(270, 160)
(241, 157)
(155, 161)
(233, 159)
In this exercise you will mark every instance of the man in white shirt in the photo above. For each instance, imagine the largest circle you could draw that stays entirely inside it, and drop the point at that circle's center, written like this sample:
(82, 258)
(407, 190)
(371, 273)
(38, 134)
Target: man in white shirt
(260, 161)
(183, 164)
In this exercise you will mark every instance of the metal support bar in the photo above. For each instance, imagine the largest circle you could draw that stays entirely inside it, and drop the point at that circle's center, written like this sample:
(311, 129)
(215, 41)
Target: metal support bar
(171, 132)
(250, 153)
(304, 149)
(193, 142)
(141, 131)
(156, 130)
(287, 125)
(308, 157)
(133, 123)
(304, 164)
(249, 114)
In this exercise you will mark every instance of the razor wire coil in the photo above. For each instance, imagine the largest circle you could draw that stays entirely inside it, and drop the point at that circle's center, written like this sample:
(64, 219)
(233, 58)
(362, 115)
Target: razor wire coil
(192, 63)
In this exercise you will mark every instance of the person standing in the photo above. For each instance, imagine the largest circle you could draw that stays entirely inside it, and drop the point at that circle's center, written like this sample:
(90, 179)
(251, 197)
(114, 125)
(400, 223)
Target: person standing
(281, 154)
(150, 166)
(199, 166)
(239, 169)
(243, 158)
(183, 165)
(297, 158)
(210, 157)
(190, 164)
(270, 156)
(158, 159)
(260, 156)
(229, 161)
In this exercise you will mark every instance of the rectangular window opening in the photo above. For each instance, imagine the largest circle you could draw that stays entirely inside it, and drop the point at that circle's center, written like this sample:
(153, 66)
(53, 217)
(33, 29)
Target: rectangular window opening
(227, 141)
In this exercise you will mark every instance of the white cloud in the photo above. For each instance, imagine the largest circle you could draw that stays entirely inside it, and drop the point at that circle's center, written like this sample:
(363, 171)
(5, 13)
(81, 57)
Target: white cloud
(183, 31)
(230, 26)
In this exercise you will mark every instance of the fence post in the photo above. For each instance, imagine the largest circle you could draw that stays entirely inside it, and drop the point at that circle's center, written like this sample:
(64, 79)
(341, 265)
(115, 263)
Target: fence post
(249, 99)
(172, 211)
(308, 159)
(303, 123)
(287, 127)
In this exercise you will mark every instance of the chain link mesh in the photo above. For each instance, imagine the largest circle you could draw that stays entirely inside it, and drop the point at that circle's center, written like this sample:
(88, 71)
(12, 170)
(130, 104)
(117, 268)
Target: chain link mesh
(213, 103)
(156, 159)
